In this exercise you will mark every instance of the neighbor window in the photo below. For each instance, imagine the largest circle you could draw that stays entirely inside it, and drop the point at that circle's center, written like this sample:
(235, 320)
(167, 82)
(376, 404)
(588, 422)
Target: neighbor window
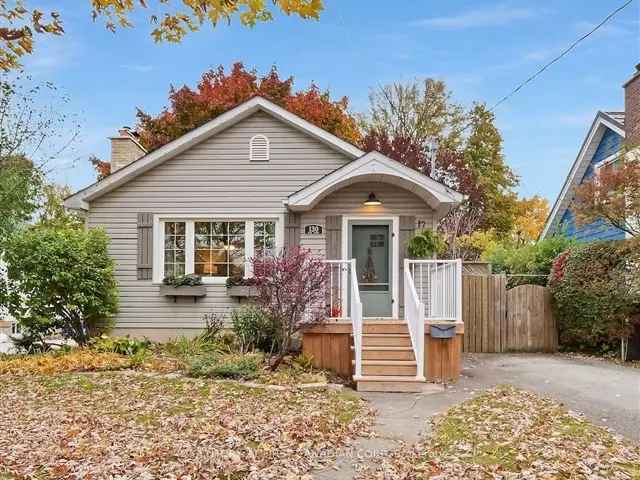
(219, 249)
(174, 248)
(212, 248)
(264, 239)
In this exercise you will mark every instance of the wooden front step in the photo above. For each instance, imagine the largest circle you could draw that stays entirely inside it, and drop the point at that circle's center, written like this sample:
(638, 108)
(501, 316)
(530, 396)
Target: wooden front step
(389, 384)
(385, 326)
(386, 340)
(394, 368)
(387, 353)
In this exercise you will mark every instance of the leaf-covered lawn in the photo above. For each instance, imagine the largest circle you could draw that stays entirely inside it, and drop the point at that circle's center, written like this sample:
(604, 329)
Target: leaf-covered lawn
(135, 425)
(507, 434)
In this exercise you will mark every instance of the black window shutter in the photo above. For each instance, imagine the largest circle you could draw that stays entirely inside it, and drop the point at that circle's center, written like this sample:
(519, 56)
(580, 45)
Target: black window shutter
(145, 246)
(333, 237)
(291, 230)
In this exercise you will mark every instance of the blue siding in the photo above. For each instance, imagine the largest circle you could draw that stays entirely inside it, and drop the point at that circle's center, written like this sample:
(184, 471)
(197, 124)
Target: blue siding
(611, 143)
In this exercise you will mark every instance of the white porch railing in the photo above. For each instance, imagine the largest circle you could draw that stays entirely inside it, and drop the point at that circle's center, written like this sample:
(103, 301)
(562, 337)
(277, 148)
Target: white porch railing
(414, 315)
(432, 291)
(343, 279)
(438, 285)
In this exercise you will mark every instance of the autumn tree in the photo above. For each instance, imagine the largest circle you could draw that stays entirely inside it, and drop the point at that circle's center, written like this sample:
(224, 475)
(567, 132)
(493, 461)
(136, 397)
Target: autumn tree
(34, 132)
(171, 20)
(102, 167)
(419, 125)
(612, 196)
(531, 216)
(219, 91)
(420, 113)
(21, 185)
(484, 157)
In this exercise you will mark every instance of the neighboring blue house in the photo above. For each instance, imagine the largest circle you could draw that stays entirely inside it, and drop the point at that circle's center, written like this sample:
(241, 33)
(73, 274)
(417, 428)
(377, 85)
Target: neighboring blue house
(602, 146)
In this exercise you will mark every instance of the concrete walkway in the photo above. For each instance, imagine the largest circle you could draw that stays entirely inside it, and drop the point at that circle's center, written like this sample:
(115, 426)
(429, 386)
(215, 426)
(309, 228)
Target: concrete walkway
(607, 394)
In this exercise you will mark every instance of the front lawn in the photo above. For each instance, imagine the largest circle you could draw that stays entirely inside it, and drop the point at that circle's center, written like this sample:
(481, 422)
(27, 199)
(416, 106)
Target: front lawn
(140, 425)
(506, 433)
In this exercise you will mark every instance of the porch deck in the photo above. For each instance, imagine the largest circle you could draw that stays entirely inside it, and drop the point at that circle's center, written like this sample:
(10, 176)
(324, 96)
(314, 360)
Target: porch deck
(398, 354)
(388, 358)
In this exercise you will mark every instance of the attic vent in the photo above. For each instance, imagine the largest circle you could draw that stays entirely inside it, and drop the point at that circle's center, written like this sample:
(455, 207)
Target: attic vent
(259, 148)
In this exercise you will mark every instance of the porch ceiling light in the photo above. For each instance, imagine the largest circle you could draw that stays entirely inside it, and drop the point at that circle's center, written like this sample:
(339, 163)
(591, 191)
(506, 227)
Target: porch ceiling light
(372, 200)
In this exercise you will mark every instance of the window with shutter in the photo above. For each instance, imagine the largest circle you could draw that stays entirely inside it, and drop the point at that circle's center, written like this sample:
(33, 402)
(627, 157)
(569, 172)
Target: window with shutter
(259, 148)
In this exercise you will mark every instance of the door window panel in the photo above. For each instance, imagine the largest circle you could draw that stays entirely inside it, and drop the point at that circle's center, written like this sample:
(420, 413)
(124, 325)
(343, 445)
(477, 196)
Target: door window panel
(371, 251)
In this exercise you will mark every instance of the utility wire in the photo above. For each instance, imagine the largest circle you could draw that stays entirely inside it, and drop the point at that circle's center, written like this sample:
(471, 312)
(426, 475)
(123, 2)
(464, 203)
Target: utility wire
(565, 52)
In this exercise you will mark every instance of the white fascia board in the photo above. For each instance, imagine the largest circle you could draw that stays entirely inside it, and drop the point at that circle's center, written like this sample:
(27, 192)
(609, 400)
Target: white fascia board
(606, 161)
(585, 154)
(374, 166)
(200, 134)
(610, 123)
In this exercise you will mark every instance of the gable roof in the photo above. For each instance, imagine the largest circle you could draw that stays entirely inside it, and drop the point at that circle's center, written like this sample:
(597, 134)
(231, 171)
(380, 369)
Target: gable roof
(80, 200)
(616, 117)
(374, 166)
(602, 122)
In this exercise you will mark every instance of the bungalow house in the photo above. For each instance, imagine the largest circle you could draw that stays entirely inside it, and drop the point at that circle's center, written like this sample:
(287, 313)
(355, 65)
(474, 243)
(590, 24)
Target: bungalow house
(260, 178)
(603, 145)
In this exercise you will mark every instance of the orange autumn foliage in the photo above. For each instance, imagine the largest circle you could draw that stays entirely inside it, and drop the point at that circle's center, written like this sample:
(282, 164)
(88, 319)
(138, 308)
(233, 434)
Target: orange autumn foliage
(219, 91)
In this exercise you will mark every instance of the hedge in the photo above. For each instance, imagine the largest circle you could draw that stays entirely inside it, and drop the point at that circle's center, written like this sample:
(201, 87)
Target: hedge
(596, 290)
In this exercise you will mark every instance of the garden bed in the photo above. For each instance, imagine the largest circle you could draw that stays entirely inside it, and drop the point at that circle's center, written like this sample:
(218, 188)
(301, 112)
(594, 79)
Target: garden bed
(183, 357)
(135, 425)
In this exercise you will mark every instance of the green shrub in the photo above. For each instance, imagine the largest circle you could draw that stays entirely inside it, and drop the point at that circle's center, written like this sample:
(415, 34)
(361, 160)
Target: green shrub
(185, 348)
(240, 281)
(59, 280)
(473, 245)
(303, 363)
(188, 280)
(213, 325)
(595, 291)
(426, 244)
(233, 366)
(122, 345)
(534, 259)
(254, 329)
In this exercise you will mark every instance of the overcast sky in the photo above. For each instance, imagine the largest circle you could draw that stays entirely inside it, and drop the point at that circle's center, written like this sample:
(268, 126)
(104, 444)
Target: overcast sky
(482, 49)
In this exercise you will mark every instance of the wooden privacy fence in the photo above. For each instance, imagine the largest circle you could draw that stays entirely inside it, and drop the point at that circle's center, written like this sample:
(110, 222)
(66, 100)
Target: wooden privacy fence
(500, 320)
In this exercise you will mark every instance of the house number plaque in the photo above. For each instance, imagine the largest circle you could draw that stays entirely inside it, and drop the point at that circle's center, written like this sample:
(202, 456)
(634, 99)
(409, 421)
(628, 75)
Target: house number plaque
(313, 230)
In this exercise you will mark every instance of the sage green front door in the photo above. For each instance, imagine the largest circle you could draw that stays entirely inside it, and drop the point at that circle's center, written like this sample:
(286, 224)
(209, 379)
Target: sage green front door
(370, 245)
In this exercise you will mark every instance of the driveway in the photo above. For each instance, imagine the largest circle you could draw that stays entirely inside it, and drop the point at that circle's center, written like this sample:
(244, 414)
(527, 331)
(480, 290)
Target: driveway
(606, 393)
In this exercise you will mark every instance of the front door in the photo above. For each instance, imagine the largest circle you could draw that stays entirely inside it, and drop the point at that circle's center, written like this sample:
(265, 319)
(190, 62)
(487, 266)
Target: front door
(370, 245)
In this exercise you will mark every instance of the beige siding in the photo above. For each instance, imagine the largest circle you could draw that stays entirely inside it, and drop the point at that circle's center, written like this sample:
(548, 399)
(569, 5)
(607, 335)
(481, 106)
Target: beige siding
(214, 177)
(349, 201)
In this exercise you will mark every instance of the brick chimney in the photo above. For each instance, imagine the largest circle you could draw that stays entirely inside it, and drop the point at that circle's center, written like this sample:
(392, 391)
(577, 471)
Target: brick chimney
(632, 110)
(125, 148)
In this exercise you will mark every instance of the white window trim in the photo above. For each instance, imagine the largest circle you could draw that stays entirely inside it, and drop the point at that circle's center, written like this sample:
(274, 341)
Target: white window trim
(190, 219)
(268, 147)
(606, 161)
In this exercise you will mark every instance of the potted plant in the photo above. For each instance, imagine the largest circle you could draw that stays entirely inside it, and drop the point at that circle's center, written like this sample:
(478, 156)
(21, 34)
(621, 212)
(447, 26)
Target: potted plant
(239, 286)
(426, 244)
(183, 286)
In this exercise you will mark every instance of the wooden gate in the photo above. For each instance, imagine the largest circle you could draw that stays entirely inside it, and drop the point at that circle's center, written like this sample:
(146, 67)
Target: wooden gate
(530, 322)
(500, 320)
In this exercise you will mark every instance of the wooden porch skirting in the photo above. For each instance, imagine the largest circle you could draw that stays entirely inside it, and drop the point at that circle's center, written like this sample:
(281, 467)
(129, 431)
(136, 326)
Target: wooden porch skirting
(329, 345)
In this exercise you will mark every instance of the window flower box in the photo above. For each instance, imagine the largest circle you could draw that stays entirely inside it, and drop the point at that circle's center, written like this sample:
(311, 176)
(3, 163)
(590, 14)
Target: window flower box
(238, 286)
(194, 291)
(242, 291)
